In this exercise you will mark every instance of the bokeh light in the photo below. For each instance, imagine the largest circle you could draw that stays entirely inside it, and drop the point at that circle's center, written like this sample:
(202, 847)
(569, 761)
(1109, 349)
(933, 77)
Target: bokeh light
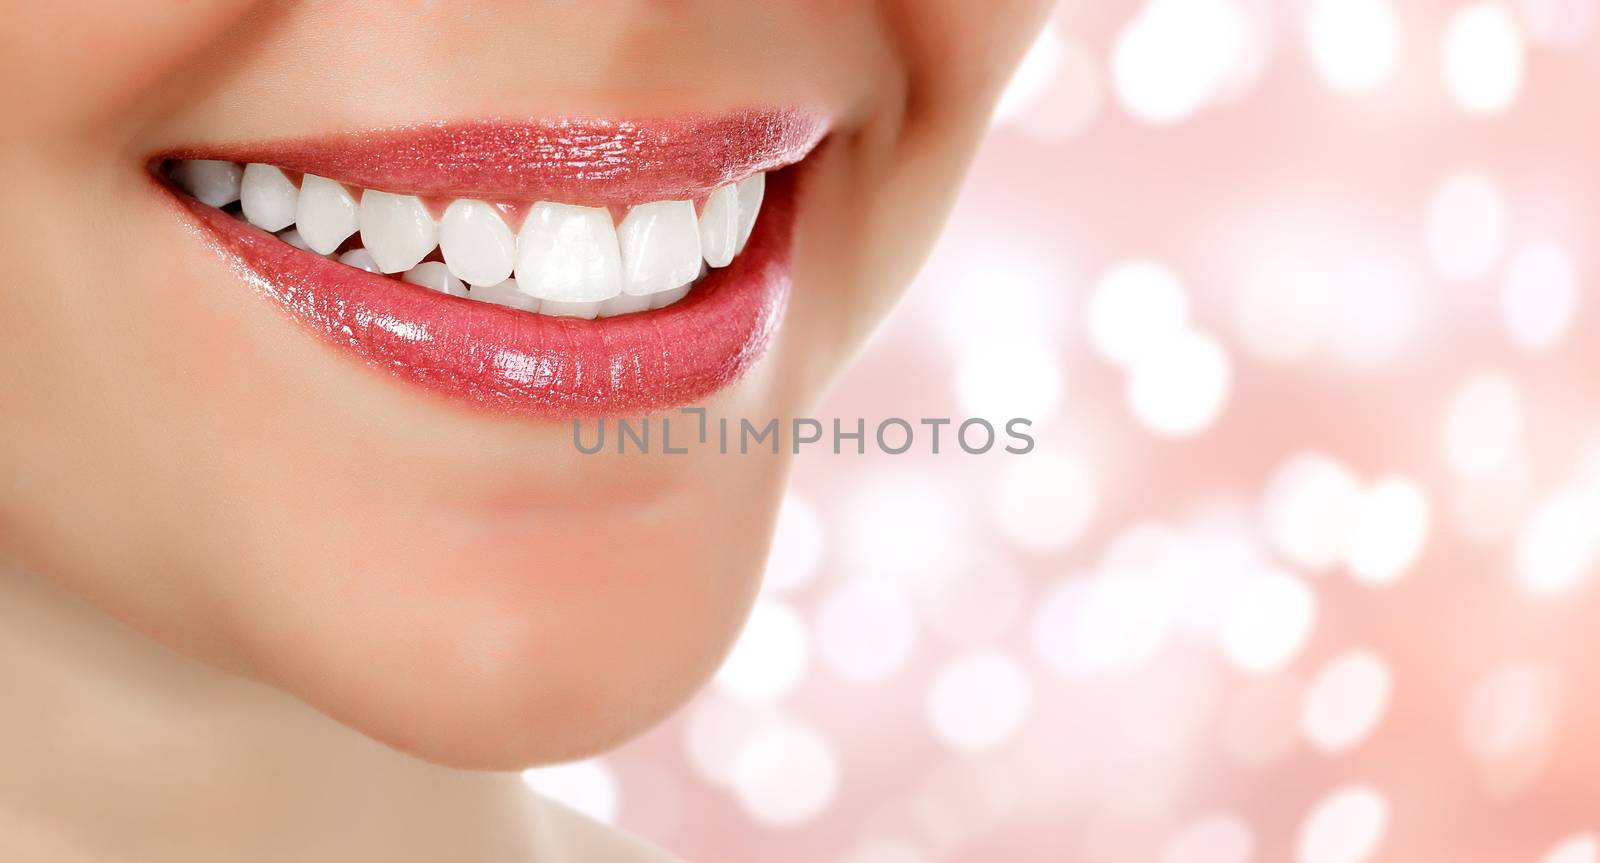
(587, 786)
(1354, 43)
(1345, 826)
(1346, 700)
(1308, 508)
(786, 774)
(1135, 308)
(1388, 531)
(978, 701)
(1559, 547)
(1583, 848)
(1176, 56)
(719, 728)
(1483, 58)
(1540, 297)
(1269, 622)
(1180, 388)
(771, 656)
(1010, 379)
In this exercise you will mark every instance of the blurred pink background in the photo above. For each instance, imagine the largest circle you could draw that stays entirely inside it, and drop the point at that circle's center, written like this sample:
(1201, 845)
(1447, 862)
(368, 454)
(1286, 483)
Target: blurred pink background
(1297, 292)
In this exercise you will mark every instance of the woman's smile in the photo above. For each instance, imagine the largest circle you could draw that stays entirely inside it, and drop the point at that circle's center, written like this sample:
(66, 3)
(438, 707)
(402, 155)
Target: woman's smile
(547, 269)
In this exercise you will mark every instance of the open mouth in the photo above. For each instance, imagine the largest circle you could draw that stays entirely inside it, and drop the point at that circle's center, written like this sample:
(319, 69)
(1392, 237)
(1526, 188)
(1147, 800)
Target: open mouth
(567, 268)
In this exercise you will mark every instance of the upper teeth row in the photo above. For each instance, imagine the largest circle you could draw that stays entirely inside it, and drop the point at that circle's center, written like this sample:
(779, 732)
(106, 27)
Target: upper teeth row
(566, 259)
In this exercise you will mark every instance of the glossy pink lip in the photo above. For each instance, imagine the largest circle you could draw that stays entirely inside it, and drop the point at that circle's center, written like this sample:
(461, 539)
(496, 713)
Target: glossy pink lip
(584, 161)
(512, 361)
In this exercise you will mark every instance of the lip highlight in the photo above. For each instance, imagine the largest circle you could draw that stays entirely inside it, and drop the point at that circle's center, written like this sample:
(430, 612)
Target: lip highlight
(584, 161)
(506, 360)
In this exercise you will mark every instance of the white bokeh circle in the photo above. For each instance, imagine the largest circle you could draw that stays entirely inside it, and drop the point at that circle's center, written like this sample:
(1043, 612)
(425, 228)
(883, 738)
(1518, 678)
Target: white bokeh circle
(978, 701)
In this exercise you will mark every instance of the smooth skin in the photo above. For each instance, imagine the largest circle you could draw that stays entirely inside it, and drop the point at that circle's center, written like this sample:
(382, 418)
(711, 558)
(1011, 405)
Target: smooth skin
(261, 602)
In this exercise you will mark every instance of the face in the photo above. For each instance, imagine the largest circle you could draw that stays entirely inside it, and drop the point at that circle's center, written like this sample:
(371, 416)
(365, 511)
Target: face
(304, 298)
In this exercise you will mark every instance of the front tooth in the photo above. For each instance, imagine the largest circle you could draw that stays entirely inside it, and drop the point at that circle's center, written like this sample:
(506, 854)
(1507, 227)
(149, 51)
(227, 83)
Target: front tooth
(396, 229)
(432, 274)
(361, 259)
(326, 214)
(555, 308)
(751, 192)
(506, 293)
(208, 180)
(569, 254)
(719, 226)
(477, 245)
(667, 298)
(267, 197)
(625, 304)
(660, 245)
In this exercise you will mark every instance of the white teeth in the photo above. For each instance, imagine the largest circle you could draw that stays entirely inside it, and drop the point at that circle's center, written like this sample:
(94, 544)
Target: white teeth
(566, 261)
(432, 274)
(660, 245)
(625, 304)
(667, 298)
(569, 254)
(326, 214)
(396, 229)
(751, 193)
(361, 259)
(211, 182)
(477, 245)
(267, 197)
(555, 308)
(719, 226)
(507, 293)
(293, 238)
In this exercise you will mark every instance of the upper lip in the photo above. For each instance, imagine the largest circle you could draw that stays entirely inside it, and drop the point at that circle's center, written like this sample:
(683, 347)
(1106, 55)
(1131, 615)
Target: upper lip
(586, 161)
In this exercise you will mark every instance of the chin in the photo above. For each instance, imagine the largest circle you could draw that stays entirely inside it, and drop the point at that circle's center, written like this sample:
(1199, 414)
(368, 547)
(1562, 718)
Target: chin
(538, 647)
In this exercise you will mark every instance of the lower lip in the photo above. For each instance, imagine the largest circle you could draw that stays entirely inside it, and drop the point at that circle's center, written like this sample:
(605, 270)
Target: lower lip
(514, 362)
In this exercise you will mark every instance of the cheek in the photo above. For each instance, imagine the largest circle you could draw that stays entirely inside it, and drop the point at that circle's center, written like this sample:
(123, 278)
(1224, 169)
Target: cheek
(89, 60)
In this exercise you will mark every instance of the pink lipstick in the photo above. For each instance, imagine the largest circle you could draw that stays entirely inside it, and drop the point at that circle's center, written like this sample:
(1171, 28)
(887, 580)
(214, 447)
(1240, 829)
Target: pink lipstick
(666, 307)
(594, 162)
